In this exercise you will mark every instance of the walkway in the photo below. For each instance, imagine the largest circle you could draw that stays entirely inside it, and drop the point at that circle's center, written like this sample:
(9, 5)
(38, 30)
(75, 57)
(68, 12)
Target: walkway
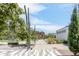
(40, 49)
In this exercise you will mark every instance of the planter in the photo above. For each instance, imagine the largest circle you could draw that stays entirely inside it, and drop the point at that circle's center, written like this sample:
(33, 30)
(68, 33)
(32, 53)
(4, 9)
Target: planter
(13, 43)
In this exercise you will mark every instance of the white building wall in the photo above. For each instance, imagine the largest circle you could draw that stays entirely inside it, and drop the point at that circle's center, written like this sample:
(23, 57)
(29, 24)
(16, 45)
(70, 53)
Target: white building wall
(62, 33)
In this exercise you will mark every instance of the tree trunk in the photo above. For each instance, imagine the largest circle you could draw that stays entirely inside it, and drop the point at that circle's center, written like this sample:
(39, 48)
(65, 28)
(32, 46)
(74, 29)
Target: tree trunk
(75, 53)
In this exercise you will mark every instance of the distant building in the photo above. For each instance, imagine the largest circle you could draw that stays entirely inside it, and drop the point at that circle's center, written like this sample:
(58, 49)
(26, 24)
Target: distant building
(62, 33)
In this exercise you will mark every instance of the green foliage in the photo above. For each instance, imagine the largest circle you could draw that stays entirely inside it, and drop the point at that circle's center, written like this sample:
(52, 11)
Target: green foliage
(50, 35)
(59, 41)
(73, 36)
(54, 41)
(11, 24)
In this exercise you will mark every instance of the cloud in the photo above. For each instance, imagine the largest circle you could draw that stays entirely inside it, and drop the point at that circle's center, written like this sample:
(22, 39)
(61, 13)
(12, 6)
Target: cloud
(37, 21)
(48, 28)
(41, 24)
(33, 7)
(45, 26)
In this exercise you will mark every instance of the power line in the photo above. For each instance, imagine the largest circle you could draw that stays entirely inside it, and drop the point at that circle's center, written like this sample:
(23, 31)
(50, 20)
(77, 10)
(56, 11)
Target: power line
(42, 24)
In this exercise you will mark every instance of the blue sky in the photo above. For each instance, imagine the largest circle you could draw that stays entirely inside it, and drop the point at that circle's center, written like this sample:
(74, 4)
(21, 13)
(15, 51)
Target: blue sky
(55, 15)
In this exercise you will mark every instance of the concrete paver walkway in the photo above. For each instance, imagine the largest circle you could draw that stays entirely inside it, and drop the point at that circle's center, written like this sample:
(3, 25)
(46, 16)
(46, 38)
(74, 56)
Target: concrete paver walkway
(41, 48)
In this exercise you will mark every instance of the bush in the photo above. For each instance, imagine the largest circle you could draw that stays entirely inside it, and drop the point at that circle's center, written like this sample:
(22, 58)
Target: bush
(65, 42)
(49, 40)
(58, 41)
(54, 41)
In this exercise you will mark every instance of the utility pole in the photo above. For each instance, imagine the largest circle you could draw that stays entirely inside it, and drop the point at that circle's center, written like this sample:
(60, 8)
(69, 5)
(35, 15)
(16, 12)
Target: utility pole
(27, 26)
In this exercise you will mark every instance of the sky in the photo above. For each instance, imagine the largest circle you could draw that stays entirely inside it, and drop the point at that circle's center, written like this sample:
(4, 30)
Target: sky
(49, 17)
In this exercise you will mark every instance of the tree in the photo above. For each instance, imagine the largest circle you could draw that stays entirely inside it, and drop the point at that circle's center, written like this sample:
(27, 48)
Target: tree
(21, 31)
(33, 35)
(10, 21)
(14, 12)
(73, 35)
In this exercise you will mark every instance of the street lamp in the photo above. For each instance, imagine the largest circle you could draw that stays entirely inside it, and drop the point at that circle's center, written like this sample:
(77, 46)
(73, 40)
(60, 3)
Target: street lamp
(28, 26)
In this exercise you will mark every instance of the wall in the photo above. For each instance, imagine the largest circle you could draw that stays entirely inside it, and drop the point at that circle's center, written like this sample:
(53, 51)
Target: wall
(62, 33)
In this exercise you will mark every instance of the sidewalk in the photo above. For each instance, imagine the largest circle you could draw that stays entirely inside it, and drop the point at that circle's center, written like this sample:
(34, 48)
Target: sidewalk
(64, 50)
(41, 48)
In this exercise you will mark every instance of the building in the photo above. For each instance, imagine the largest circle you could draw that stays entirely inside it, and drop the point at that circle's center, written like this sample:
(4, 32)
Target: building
(62, 33)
